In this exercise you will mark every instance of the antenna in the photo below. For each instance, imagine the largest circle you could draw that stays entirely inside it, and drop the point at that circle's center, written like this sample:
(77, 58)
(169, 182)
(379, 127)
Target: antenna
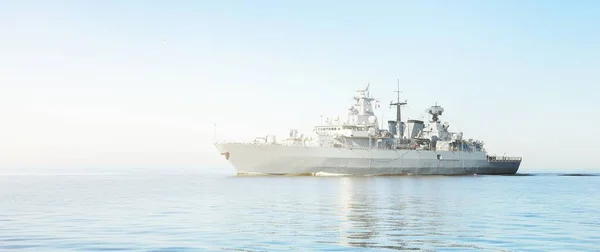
(398, 105)
(214, 133)
(398, 91)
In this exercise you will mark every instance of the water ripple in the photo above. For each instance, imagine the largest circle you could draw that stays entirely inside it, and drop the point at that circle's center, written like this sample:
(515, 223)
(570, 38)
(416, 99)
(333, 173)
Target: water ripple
(197, 213)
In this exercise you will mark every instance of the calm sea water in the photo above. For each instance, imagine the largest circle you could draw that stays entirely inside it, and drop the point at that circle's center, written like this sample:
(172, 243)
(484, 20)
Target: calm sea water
(192, 210)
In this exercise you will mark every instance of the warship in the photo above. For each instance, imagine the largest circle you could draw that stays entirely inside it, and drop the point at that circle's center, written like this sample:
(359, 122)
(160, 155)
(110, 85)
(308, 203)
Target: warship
(358, 146)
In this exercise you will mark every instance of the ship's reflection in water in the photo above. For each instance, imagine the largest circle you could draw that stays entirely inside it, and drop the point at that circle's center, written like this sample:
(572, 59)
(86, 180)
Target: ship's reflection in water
(397, 213)
(195, 212)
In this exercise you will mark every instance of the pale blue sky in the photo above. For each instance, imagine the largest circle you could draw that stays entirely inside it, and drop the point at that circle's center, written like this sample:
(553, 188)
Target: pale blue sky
(141, 82)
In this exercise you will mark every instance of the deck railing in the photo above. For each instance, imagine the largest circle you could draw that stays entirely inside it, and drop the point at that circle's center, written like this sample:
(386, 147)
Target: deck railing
(503, 159)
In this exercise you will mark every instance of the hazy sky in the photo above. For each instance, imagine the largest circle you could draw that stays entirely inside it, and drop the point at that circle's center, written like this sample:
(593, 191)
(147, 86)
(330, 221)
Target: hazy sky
(142, 82)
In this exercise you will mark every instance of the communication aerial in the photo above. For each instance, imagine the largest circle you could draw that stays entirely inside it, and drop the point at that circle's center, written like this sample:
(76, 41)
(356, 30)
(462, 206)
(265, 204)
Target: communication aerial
(398, 105)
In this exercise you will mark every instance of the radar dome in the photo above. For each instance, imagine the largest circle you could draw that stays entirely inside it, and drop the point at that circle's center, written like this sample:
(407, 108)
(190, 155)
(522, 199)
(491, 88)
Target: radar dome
(372, 119)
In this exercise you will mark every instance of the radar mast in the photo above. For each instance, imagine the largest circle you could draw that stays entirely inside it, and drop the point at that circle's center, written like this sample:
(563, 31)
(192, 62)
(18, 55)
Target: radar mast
(398, 105)
(435, 111)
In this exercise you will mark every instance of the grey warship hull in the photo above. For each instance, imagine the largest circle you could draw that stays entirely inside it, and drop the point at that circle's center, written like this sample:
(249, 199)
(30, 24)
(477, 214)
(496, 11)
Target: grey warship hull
(359, 146)
(303, 160)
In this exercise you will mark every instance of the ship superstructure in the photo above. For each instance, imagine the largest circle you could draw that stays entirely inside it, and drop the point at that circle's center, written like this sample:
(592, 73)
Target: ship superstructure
(358, 146)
